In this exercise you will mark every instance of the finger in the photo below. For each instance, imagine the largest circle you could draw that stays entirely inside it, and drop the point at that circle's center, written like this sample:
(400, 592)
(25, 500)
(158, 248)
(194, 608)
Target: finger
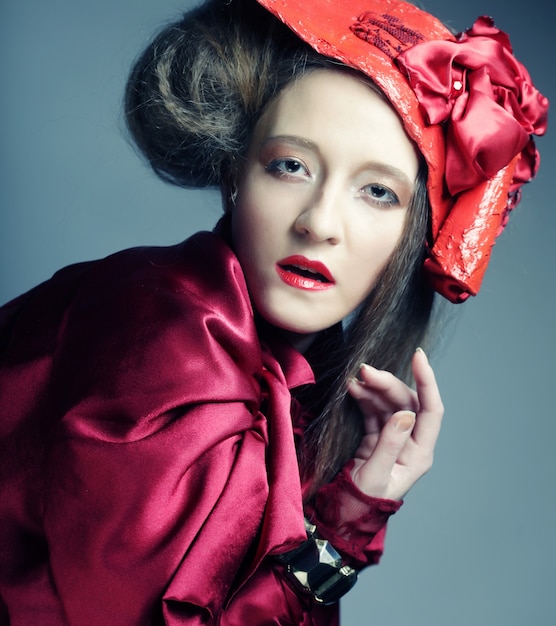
(370, 402)
(374, 474)
(431, 409)
(373, 419)
(375, 411)
(394, 393)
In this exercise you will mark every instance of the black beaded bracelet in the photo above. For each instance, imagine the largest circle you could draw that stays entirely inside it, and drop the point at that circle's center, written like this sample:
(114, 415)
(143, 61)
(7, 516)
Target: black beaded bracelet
(316, 568)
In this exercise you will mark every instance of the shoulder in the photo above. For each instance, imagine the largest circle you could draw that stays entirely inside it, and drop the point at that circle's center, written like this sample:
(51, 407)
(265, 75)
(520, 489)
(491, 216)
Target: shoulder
(148, 328)
(183, 310)
(202, 269)
(157, 287)
(152, 287)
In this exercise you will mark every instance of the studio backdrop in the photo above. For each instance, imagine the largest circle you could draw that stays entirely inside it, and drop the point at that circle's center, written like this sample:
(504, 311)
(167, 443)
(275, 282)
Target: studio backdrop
(474, 544)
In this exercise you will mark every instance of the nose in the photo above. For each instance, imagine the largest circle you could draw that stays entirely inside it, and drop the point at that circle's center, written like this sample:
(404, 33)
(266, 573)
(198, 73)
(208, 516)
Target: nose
(320, 220)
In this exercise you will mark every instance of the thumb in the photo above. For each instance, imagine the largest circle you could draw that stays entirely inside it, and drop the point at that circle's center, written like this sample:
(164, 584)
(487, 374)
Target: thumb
(373, 476)
(403, 422)
(393, 438)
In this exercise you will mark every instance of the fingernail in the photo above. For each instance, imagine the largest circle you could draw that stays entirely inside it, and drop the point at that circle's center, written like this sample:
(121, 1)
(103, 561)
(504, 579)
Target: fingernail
(419, 349)
(367, 367)
(404, 421)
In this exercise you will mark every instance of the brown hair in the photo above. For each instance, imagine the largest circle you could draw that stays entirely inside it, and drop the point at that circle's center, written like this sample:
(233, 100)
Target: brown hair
(196, 92)
(192, 101)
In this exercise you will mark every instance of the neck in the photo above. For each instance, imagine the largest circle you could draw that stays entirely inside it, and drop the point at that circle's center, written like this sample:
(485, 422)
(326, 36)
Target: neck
(301, 342)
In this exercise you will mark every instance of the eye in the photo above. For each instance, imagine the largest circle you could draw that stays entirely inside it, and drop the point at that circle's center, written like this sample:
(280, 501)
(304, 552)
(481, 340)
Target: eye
(287, 168)
(379, 195)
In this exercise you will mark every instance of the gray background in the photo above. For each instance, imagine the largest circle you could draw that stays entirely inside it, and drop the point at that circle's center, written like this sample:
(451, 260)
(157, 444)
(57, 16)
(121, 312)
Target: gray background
(474, 542)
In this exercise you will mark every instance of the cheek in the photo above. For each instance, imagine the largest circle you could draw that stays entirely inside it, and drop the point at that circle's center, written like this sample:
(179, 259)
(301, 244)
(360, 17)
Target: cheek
(374, 254)
(246, 211)
(243, 218)
(377, 241)
(257, 216)
(250, 228)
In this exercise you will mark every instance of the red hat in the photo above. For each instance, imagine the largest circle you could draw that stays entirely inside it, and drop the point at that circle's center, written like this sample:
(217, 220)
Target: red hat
(466, 102)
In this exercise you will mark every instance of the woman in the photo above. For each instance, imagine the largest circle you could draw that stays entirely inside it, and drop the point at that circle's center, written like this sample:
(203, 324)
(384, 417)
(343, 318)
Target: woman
(151, 475)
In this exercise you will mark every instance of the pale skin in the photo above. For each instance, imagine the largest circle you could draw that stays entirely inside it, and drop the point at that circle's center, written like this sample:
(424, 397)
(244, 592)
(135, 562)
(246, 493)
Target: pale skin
(401, 428)
(334, 187)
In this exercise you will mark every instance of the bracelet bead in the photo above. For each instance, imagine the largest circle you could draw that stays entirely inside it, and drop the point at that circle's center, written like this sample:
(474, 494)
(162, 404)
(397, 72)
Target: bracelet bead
(316, 568)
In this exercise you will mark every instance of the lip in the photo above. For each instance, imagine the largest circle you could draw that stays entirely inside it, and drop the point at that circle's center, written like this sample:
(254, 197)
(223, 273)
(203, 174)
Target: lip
(323, 278)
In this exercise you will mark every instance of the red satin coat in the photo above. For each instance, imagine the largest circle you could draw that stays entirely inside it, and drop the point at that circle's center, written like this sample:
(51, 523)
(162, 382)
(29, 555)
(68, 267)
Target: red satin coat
(147, 462)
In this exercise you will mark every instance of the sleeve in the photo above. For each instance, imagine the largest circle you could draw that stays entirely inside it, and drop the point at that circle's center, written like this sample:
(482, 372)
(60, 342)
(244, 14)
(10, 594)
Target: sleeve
(163, 483)
(156, 438)
(354, 523)
(269, 599)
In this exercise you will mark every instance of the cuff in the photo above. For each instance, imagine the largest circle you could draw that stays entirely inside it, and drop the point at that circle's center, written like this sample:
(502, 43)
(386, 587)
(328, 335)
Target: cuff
(353, 522)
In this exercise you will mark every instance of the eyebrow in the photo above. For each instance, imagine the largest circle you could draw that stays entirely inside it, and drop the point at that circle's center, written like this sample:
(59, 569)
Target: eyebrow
(384, 168)
(300, 141)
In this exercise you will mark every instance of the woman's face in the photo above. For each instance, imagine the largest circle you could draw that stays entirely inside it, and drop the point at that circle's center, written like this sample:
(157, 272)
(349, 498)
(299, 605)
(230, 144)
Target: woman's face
(322, 201)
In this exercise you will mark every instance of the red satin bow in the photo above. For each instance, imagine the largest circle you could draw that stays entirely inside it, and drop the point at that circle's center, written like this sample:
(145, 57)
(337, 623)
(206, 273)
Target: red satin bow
(486, 97)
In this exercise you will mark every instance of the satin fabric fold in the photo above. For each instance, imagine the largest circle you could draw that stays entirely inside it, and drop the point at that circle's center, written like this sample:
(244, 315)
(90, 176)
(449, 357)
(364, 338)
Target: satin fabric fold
(135, 478)
(486, 95)
(148, 470)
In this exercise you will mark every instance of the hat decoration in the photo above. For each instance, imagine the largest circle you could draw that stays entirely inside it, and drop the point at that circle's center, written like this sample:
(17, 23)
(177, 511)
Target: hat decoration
(466, 101)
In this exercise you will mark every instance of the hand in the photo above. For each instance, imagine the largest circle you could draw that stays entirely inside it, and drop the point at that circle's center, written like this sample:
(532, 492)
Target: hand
(401, 428)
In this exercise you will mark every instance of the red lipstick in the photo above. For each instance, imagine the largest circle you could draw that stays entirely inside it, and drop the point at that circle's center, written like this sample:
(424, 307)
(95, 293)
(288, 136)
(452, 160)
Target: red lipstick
(300, 272)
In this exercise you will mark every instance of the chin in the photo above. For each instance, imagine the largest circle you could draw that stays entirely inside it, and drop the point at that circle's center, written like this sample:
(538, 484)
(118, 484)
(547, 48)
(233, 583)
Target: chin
(290, 324)
(298, 333)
